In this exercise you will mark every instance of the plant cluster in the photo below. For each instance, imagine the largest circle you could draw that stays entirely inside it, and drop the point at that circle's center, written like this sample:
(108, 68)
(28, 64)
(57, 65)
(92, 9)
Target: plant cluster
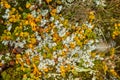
(46, 40)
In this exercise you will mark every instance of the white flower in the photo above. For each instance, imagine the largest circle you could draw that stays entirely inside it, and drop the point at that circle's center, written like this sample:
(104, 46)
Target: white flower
(92, 47)
(5, 42)
(8, 54)
(40, 2)
(2, 61)
(32, 7)
(7, 11)
(100, 2)
(7, 57)
(77, 24)
(62, 32)
(56, 22)
(38, 38)
(89, 25)
(24, 41)
(94, 78)
(18, 38)
(60, 59)
(43, 22)
(19, 44)
(59, 8)
(9, 27)
(90, 42)
(44, 12)
(34, 13)
(5, 16)
(28, 51)
(51, 18)
(62, 18)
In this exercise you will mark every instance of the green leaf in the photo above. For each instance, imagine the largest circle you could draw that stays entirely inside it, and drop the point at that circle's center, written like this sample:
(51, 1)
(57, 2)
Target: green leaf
(24, 15)
(75, 73)
(7, 77)
(80, 69)
(4, 74)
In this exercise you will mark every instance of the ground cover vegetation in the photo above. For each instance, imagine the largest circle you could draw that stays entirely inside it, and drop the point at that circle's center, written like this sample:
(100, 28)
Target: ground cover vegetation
(59, 40)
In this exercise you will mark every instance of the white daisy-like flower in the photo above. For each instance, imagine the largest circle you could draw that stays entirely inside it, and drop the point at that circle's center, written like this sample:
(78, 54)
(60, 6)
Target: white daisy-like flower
(5, 16)
(3, 61)
(62, 32)
(34, 13)
(60, 59)
(9, 27)
(5, 42)
(59, 8)
(19, 44)
(8, 54)
(76, 24)
(40, 2)
(7, 57)
(7, 11)
(100, 2)
(18, 38)
(51, 18)
(44, 12)
(89, 25)
(56, 22)
(43, 22)
(28, 51)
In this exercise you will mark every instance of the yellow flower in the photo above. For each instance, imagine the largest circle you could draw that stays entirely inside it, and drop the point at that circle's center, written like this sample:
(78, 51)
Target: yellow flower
(62, 69)
(22, 66)
(25, 76)
(26, 22)
(33, 40)
(32, 36)
(33, 25)
(26, 34)
(7, 5)
(53, 12)
(91, 16)
(93, 54)
(36, 71)
(112, 52)
(45, 69)
(68, 67)
(92, 13)
(21, 34)
(34, 28)
(30, 46)
(28, 5)
(48, 1)
(63, 53)
(114, 73)
(8, 33)
(16, 34)
(36, 58)
(65, 22)
(115, 25)
(119, 24)
(20, 9)
(1, 64)
(113, 36)
(105, 68)
(116, 33)
(13, 9)
(72, 45)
